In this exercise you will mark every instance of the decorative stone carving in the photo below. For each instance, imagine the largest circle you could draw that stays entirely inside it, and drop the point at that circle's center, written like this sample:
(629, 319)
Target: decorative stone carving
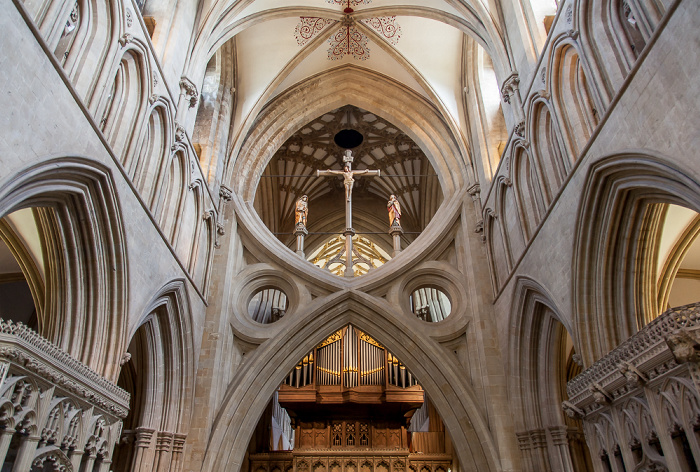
(519, 129)
(684, 346)
(180, 133)
(38, 374)
(126, 39)
(189, 90)
(129, 18)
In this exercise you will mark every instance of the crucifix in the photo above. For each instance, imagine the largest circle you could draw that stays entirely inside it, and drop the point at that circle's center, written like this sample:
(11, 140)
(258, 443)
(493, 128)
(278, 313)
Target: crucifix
(348, 179)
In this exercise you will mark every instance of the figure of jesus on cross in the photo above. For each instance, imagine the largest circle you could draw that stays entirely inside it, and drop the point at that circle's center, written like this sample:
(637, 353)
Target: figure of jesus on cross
(348, 180)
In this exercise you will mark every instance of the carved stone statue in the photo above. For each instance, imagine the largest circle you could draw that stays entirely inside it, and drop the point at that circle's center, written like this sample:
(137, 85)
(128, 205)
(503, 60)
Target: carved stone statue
(394, 208)
(301, 211)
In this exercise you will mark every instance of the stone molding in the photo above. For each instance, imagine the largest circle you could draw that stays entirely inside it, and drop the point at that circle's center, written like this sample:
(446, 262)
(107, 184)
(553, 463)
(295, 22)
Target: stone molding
(24, 348)
(647, 351)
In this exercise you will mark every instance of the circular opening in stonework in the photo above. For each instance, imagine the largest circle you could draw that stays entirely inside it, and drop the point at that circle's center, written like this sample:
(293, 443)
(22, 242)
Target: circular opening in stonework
(267, 305)
(430, 304)
(348, 138)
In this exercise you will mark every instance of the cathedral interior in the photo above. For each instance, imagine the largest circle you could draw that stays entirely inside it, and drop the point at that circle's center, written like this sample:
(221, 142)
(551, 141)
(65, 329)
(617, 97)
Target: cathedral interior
(350, 236)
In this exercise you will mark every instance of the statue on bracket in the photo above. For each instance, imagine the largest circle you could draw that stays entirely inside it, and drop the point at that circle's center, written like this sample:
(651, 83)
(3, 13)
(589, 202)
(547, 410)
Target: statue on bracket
(394, 208)
(301, 211)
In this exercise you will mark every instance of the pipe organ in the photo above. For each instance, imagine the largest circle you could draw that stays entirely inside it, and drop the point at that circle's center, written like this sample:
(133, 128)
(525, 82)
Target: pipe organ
(350, 358)
(350, 401)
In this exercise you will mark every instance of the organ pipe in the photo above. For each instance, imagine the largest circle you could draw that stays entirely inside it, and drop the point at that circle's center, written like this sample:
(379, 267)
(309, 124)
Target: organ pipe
(350, 358)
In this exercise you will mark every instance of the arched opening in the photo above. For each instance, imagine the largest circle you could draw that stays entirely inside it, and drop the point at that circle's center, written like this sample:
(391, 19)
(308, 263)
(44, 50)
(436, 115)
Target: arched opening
(157, 372)
(529, 191)
(215, 113)
(574, 99)
(628, 259)
(405, 173)
(74, 210)
(672, 239)
(543, 360)
(22, 269)
(358, 403)
(547, 148)
(124, 102)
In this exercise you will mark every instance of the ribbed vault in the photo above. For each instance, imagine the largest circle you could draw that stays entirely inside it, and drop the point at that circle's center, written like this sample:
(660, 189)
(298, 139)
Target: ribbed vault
(405, 172)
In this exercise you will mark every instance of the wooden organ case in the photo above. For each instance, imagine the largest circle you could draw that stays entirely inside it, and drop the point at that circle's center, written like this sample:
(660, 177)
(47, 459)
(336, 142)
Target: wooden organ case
(350, 402)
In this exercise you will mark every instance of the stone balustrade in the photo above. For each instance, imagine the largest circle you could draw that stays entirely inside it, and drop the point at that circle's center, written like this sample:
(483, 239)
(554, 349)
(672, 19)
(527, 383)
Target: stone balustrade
(55, 413)
(640, 404)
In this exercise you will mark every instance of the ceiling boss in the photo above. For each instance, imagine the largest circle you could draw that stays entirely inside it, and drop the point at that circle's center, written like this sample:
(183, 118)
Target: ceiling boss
(348, 39)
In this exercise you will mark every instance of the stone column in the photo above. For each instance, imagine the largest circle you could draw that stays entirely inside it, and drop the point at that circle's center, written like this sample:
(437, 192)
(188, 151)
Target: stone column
(141, 445)
(178, 448)
(538, 438)
(396, 231)
(300, 232)
(164, 441)
(560, 455)
(525, 449)
(104, 466)
(25, 455)
(5, 439)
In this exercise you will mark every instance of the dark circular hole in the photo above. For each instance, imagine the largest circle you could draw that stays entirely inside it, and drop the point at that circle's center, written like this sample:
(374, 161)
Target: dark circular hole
(348, 138)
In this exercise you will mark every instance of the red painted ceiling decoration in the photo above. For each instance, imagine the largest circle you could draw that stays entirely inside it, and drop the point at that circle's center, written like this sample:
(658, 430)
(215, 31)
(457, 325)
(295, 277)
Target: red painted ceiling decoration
(349, 39)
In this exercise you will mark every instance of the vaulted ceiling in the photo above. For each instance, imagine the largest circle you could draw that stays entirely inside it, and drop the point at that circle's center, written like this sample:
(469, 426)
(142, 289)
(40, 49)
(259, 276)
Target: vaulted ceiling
(405, 172)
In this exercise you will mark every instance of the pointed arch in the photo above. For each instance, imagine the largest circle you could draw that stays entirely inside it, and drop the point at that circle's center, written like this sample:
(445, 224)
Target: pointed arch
(511, 224)
(153, 150)
(270, 363)
(611, 259)
(496, 250)
(84, 236)
(528, 191)
(124, 102)
(572, 97)
(545, 137)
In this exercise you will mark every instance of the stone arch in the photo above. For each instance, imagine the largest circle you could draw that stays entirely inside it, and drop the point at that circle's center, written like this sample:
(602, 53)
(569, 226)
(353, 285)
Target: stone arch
(343, 85)
(256, 382)
(617, 196)
(85, 237)
(540, 364)
(172, 192)
(511, 224)
(125, 101)
(528, 190)
(546, 146)
(152, 152)
(160, 372)
(496, 250)
(572, 97)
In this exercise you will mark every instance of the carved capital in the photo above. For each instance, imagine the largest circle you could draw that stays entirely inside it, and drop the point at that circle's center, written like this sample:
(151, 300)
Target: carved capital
(479, 226)
(179, 132)
(510, 86)
(225, 193)
(577, 360)
(189, 90)
(474, 190)
(520, 129)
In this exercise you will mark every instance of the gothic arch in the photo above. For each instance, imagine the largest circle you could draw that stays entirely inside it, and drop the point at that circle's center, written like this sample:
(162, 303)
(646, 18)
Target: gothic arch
(496, 250)
(85, 237)
(268, 365)
(572, 96)
(611, 246)
(344, 85)
(546, 146)
(152, 151)
(528, 190)
(125, 100)
(168, 326)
